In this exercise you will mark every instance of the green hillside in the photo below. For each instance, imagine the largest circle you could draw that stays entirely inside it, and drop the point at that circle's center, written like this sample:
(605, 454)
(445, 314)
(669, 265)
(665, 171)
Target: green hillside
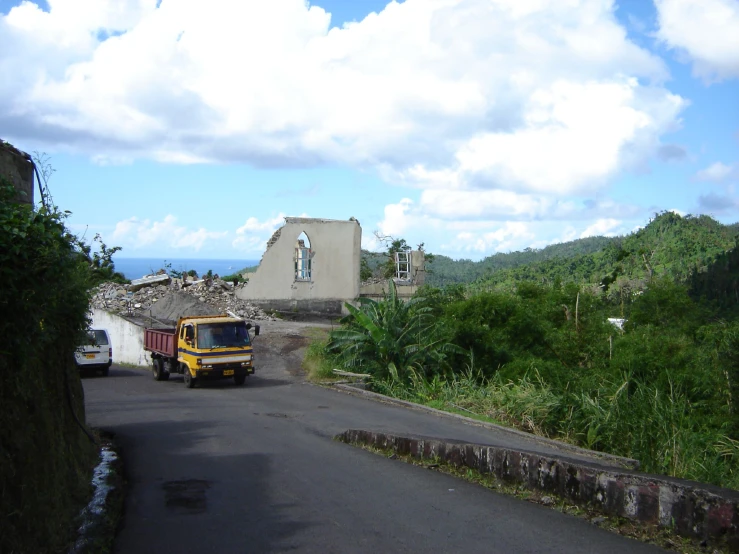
(669, 246)
(443, 270)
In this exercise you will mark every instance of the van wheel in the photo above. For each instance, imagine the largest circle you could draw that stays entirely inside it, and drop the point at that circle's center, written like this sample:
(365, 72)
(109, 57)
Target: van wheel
(239, 379)
(189, 380)
(105, 371)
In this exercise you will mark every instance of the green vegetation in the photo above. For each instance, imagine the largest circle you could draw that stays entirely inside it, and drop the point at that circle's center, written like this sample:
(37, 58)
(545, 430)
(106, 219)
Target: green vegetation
(391, 338)
(46, 452)
(238, 276)
(317, 363)
(531, 345)
(45, 456)
(100, 263)
(444, 271)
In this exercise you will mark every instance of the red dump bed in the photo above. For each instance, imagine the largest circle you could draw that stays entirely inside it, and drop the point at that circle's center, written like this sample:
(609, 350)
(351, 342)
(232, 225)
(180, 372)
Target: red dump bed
(161, 341)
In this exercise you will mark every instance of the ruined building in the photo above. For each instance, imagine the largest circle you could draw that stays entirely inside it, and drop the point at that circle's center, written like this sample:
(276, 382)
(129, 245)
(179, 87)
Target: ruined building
(310, 265)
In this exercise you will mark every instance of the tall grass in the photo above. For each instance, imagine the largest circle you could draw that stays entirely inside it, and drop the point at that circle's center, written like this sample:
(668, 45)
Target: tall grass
(631, 419)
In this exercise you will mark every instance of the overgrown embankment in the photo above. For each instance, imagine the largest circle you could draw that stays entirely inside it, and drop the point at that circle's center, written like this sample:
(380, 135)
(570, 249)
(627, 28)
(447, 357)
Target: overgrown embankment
(540, 354)
(46, 458)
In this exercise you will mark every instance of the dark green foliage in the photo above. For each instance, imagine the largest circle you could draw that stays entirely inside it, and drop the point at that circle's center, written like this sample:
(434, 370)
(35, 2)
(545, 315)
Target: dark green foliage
(444, 271)
(391, 338)
(101, 266)
(670, 246)
(45, 457)
(719, 281)
(364, 269)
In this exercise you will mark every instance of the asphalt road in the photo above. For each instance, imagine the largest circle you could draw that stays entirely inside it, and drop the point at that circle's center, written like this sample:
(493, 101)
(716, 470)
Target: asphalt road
(230, 469)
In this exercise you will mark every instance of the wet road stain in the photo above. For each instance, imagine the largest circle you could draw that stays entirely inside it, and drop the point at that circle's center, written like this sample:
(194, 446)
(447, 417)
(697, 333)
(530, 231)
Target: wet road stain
(186, 497)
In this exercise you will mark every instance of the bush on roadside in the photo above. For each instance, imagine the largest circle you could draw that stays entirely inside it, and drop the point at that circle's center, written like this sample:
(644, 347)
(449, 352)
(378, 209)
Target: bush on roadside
(45, 457)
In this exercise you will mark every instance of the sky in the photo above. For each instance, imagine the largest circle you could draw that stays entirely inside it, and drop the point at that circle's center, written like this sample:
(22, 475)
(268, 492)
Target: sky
(473, 127)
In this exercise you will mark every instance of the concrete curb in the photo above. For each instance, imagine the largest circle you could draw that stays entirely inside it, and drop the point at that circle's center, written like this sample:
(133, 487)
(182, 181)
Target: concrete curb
(618, 461)
(691, 509)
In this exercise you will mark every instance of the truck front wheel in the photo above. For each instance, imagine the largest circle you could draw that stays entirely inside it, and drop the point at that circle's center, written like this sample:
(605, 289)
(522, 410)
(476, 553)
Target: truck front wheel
(239, 379)
(189, 380)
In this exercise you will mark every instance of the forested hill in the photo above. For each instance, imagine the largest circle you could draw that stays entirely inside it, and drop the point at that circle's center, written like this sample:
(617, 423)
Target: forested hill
(669, 246)
(446, 271)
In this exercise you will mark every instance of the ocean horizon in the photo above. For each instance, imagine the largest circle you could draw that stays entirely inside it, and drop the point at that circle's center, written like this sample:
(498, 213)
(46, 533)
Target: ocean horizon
(135, 268)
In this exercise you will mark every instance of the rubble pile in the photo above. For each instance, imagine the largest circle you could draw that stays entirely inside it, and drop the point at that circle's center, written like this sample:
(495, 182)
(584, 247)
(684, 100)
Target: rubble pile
(203, 297)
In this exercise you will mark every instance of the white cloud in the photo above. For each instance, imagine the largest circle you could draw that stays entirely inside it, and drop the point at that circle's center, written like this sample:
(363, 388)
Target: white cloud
(483, 236)
(542, 96)
(573, 137)
(706, 30)
(370, 242)
(253, 235)
(603, 227)
(715, 172)
(397, 218)
(506, 237)
(503, 205)
(135, 233)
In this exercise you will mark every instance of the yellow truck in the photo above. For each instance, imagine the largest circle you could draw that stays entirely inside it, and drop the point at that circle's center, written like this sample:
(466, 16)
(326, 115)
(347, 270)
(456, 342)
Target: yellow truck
(202, 347)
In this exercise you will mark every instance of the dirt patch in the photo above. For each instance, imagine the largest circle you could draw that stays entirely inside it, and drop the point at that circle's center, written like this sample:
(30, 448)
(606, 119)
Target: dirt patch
(280, 347)
(291, 343)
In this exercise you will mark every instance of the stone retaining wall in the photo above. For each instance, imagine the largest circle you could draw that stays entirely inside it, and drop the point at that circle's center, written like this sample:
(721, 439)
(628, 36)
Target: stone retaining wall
(692, 509)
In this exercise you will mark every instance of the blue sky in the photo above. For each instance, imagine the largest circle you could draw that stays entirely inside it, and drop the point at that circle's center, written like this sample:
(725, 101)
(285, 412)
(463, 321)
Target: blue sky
(472, 126)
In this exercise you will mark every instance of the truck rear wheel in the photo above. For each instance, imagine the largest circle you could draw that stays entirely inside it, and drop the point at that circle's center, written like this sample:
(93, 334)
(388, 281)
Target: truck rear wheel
(158, 370)
(239, 379)
(189, 380)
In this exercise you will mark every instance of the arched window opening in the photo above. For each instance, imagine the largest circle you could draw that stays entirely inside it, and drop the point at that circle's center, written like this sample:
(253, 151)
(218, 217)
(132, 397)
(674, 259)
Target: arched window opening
(303, 258)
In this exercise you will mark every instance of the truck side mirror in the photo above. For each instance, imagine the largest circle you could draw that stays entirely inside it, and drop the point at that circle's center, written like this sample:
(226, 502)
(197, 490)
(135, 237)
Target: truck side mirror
(256, 330)
(248, 326)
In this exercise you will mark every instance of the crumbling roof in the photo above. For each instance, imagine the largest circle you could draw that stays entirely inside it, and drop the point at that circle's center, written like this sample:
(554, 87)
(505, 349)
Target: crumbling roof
(306, 220)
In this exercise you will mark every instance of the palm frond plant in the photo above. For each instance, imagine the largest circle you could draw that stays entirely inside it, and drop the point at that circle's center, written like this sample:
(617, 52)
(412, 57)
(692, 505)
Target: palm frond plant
(391, 339)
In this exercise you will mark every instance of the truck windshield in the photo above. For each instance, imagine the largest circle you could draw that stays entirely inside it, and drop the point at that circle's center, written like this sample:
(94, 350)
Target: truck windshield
(219, 335)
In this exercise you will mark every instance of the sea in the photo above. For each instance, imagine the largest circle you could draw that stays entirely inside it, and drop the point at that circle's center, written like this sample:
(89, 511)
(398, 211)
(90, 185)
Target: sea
(135, 268)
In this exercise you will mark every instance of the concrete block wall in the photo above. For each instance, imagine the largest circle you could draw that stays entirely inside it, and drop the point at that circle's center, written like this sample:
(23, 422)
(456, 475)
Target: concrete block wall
(691, 509)
(127, 337)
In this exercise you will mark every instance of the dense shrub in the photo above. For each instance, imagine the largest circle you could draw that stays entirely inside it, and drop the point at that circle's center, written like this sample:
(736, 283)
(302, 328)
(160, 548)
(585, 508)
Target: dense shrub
(545, 359)
(45, 456)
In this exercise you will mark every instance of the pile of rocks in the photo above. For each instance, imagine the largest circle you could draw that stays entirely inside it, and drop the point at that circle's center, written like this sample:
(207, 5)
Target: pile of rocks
(211, 296)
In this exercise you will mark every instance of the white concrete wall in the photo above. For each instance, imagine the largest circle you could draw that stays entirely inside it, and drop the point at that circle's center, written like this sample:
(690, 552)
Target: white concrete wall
(126, 336)
(379, 290)
(335, 265)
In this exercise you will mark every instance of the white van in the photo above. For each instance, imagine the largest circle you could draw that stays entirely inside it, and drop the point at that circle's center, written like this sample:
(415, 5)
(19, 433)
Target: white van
(97, 353)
